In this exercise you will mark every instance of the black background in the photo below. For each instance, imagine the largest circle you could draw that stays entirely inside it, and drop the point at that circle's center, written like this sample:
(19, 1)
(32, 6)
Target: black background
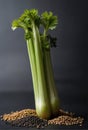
(70, 61)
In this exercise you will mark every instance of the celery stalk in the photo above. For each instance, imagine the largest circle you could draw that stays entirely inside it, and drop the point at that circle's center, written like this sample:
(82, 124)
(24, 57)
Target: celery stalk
(43, 107)
(53, 96)
(38, 46)
(31, 54)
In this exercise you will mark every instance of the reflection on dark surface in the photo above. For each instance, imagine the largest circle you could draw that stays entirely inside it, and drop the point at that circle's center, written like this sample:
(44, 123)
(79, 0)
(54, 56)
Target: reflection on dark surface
(13, 101)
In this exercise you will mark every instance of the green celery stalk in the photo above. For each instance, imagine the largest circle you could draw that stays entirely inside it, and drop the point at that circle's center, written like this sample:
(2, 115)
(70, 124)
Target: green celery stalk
(46, 97)
(53, 96)
(49, 22)
(31, 54)
(43, 107)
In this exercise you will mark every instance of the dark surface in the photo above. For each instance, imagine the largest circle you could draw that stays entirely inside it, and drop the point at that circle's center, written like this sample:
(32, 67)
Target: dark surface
(20, 100)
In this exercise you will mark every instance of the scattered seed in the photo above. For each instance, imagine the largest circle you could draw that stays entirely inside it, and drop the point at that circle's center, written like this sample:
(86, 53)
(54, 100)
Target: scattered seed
(29, 118)
(30, 121)
(18, 115)
(66, 120)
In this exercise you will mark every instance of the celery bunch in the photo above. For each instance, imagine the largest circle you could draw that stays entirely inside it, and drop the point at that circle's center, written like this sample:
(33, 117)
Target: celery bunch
(38, 46)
